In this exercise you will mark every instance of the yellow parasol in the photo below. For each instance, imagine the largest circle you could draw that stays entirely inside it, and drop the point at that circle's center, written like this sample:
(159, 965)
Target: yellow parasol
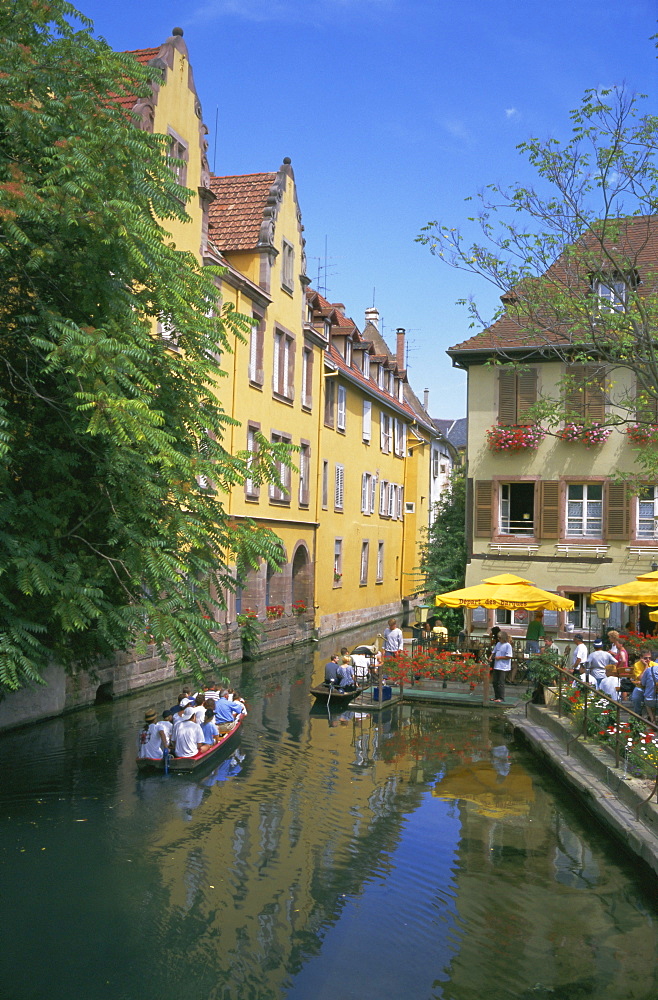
(642, 590)
(491, 795)
(505, 591)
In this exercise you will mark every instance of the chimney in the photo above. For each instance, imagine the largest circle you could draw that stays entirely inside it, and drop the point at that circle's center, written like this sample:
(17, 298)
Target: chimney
(399, 349)
(372, 316)
(426, 400)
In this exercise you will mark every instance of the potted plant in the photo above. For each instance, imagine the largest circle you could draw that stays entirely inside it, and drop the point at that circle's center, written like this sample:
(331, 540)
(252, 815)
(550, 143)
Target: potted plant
(299, 607)
(543, 673)
(273, 611)
(587, 434)
(250, 632)
(526, 437)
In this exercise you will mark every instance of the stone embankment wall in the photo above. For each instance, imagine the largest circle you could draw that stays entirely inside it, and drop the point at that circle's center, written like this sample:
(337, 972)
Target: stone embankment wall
(625, 805)
(127, 672)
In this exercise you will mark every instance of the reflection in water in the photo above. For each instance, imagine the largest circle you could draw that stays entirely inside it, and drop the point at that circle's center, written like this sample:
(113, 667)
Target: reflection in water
(413, 853)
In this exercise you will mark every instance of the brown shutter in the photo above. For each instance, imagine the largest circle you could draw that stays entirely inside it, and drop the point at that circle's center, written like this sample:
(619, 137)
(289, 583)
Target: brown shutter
(574, 396)
(507, 396)
(549, 509)
(594, 393)
(292, 346)
(617, 512)
(646, 407)
(526, 392)
(483, 508)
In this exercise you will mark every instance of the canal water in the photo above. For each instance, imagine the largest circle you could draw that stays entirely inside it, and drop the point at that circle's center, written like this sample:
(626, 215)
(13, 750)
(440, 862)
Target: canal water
(415, 854)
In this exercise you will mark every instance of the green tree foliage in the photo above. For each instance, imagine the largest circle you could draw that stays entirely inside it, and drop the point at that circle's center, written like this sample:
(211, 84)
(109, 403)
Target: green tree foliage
(444, 552)
(574, 256)
(112, 462)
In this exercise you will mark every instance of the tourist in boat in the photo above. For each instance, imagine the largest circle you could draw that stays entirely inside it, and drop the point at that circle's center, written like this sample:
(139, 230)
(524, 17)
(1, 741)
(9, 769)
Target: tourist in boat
(331, 670)
(226, 713)
(153, 738)
(345, 674)
(199, 709)
(240, 703)
(209, 727)
(189, 736)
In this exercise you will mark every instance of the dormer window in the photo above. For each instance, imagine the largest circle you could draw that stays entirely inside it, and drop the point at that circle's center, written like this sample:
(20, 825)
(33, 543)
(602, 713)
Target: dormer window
(380, 376)
(611, 293)
(327, 329)
(366, 364)
(348, 352)
(391, 383)
(401, 390)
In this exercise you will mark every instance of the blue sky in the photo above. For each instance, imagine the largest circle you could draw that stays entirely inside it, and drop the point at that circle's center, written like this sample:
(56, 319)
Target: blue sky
(393, 112)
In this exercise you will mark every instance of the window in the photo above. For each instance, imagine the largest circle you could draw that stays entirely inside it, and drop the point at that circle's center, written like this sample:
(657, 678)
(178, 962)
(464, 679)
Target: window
(585, 510)
(385, 432)
(256, 340)
(368, 486)
(339, 487)
(338, 561)
(392, 489)
(348, 352)
(380, 562)
(611, 293)
(281, 494)
(251, 489)
(307, 378)
(342, 407)
(400, 437)
(380, 376)
(366, 364)
(517, 390)
(365, 552)
(304, 473)
(284, 365)
(401, 390)
(391, 383)
(325, 483)
(585, 393)
(178, 155)
(329, 401)
(366, 431)
(647, 513)
(383, 498)
(399, 503)
(505, 617)
(168, 332)
(517, 508)
(579, 617)
(288, 266)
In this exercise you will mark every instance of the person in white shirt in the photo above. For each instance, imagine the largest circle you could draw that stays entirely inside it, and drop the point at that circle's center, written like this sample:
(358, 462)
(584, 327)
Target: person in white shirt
(611, 684)
(393, 640)
(579, 656)
(189, 736)
(153, 739)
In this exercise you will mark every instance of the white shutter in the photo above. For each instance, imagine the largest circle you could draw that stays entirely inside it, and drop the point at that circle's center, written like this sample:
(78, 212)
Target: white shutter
(383, 497)
(403, 438)
(364, 492)
(400, 504)
(285, 365)
(339, 487)
(367, 419)
(342, 400)
(373, 487)
(253, 354)
(391, 500)
(382, 431)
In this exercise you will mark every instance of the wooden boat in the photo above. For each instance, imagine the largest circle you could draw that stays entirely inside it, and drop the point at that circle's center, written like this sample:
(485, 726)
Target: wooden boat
(191, 763)
(334, 695)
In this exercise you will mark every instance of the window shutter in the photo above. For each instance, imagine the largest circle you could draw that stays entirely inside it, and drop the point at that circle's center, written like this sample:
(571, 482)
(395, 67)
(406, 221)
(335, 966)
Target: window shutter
(574, 397)
(290, 368)
(339, 487)
(253, 354)
(382, 497)
(526, 387)
(617, 512)
(367, 419)
(549, 509)
(342, 404)
(373, 486)
(594, 393)
(646, 407)
(507, 397)
(483, 508)
(276, 363)
(364, 492)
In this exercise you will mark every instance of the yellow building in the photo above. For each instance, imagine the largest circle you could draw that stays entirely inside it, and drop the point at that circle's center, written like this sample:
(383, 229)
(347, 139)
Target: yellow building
(349, 516)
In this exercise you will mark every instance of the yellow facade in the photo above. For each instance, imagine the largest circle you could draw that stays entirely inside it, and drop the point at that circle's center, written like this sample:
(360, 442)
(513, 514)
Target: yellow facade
(276, 385)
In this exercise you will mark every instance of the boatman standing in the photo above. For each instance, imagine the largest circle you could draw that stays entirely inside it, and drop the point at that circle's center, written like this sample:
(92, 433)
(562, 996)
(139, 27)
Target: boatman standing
(393, 640)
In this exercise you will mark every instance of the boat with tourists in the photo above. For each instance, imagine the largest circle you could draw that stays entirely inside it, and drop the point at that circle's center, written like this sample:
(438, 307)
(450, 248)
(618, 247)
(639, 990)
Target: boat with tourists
(173, 763)
(336, 696)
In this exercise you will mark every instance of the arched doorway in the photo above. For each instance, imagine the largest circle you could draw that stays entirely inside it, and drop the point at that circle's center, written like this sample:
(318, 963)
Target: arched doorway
(301, 576)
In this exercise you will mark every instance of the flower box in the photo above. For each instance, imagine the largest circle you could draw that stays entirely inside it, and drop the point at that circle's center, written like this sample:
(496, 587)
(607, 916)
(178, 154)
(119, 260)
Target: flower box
(642, 433)
(515, 438)
(588, 434)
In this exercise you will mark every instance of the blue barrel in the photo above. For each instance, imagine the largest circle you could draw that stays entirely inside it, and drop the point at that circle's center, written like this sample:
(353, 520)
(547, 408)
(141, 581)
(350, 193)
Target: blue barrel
(387, 692)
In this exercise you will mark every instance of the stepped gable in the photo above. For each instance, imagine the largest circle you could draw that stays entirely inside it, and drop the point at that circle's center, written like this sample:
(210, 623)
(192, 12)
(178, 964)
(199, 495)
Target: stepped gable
(634, 238)
(239, 210)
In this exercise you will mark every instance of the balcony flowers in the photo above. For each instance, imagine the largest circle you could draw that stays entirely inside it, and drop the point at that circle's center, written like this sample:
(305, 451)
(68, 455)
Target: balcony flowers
(273, 611)
(588, 434)
(299, 607)
(515, 437)
(642, 433)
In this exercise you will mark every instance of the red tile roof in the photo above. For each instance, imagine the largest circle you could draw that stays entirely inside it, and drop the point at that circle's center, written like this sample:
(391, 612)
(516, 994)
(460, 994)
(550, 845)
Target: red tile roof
(237, 213)
(143, 56)
(633, 244)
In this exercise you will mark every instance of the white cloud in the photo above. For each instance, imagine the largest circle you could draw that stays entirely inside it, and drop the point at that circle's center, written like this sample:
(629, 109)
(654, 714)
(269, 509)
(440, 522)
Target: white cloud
(458, 130)
(286, 10)
(511, 113)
